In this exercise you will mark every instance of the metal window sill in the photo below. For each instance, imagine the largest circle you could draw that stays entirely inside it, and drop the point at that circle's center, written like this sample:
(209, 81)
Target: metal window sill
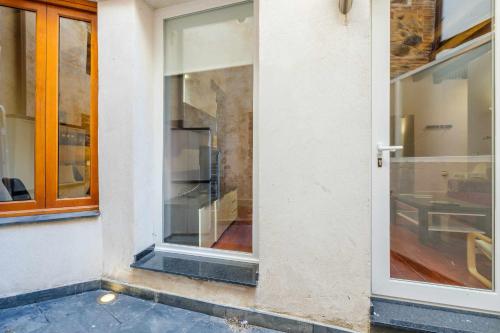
(198, 267)
(45, 218)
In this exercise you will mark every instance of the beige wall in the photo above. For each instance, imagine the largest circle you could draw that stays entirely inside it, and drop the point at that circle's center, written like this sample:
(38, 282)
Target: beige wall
(480, 104)
(464, 102)
(445, 104)
(49, 255)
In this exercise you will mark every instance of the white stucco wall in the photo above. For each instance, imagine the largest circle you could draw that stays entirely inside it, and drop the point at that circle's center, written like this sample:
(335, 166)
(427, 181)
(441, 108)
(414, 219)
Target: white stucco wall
(42, 256)
(314, 146)
(127, 185)
(313, 136)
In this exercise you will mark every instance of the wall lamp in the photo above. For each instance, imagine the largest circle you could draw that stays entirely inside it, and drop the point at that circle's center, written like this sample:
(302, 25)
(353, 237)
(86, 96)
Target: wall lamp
(345, 7)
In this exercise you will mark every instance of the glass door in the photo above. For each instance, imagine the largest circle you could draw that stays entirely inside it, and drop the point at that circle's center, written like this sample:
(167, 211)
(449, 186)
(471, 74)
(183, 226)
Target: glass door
(434, 142)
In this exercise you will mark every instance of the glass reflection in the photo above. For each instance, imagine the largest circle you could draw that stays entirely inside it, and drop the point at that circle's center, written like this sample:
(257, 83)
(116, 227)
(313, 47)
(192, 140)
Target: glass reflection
(74, 108)
(442, 113)
(208, 129)
(17, 104)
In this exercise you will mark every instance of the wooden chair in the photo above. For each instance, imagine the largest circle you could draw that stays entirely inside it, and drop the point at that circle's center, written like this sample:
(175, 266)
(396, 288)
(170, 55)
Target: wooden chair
(478, 243)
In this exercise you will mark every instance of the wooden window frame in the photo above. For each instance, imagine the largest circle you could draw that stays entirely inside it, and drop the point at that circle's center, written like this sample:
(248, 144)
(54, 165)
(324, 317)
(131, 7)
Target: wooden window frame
(46, 201)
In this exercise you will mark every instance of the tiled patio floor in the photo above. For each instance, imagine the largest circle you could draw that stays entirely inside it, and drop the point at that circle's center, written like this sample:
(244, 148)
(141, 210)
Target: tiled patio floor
(82, 314)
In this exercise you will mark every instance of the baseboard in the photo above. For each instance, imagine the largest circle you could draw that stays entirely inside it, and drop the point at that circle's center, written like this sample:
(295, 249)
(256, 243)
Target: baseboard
(48, 294)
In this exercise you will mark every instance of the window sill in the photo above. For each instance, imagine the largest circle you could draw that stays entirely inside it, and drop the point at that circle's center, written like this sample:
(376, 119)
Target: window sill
(44, 218)
(197, 267)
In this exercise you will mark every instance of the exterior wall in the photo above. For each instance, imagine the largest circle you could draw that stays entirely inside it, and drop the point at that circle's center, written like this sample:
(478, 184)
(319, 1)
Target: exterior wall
(312, 158)
(43, 256)
(314, 144)
(127, 184)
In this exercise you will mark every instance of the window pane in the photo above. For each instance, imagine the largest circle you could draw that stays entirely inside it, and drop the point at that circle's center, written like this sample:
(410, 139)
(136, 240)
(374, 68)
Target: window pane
(17, 104)
(74, 108)
(442, 114)
(208, 129)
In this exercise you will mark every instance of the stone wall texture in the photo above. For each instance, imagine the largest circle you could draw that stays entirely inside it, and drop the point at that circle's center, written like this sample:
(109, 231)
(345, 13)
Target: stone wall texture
(223, 101)
(413, 25)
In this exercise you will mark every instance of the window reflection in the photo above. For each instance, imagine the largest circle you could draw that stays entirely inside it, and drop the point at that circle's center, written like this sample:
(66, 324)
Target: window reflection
(208, 129)
(17, 104)
(442, 113)
(74, 108)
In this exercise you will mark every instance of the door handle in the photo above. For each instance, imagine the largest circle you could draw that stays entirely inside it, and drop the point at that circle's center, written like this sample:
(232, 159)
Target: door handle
(381, 148)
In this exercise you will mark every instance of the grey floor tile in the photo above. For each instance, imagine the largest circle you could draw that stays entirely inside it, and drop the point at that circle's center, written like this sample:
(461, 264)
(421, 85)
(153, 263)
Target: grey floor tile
(66, 326)
(159, 318)
(80, 311)
(83, 314)
(128, 309)
(26, 318)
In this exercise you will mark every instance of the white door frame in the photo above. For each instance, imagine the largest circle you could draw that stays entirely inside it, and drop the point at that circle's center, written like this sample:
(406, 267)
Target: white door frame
(382, 284)
(160, 16)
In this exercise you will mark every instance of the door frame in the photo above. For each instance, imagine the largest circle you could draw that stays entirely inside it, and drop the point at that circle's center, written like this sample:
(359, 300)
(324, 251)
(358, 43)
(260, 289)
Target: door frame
(160, 16)
(382, 284)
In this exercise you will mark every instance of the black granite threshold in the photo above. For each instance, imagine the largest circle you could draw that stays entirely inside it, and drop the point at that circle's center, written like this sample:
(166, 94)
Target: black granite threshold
(197, 267)
(48, 294)
(44, 218)
(431, 319)
(252, 316)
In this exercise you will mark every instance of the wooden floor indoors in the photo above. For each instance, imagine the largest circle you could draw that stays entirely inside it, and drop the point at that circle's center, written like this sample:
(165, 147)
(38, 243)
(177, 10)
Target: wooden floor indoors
(442, 262)
(238, 237)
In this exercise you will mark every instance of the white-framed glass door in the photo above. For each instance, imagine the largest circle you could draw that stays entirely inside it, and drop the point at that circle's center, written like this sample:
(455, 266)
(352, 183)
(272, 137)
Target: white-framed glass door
(434, 148)
(205, 60)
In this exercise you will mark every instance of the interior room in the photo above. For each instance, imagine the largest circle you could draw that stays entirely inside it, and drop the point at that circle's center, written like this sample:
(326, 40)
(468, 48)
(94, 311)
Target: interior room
(442, 115)
(19, 113)
(208, 129)
(17, 105)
